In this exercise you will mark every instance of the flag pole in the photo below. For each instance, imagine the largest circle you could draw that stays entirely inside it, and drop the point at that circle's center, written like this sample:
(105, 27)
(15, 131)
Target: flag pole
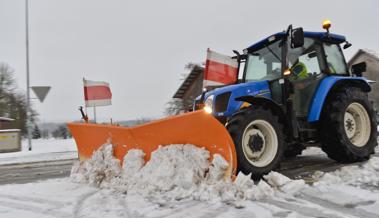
(85, 105)
(85, 110)
(94, 113)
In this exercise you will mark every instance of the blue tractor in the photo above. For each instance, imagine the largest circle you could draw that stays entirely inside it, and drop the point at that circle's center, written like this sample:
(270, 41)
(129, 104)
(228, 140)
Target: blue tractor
(296, 90)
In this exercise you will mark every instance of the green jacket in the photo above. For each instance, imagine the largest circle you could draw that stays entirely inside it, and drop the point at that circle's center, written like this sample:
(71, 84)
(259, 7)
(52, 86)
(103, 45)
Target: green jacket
(299, 71)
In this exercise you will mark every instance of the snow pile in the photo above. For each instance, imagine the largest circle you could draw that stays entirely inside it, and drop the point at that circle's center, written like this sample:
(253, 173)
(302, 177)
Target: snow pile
(101, 168)
(133, 162)
(182, 166)
(283, 183)
(177, 172)
(364, 175)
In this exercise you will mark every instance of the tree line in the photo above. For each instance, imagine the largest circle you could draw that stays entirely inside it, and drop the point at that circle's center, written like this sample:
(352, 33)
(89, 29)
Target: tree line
(60, 131)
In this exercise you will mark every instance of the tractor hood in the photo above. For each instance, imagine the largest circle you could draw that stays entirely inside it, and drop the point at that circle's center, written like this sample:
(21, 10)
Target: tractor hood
(224, 99)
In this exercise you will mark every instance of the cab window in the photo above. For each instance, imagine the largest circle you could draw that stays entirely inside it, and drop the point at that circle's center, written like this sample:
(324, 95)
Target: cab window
(309, 56)
(264, 64)
(335, 61)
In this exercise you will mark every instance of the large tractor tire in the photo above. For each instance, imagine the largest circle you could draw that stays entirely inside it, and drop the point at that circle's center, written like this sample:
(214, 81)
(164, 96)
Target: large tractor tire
(348, 128)
(258, 137)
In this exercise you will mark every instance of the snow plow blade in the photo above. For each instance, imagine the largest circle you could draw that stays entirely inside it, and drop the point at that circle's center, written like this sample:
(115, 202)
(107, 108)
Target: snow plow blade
(197, 128)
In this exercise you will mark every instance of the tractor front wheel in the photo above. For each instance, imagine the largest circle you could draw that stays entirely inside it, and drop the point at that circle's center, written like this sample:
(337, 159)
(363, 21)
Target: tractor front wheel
(258, 137)
(348, 126)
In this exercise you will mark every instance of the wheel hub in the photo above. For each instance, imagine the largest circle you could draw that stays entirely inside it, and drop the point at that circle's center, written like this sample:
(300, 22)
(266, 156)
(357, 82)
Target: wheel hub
(350, 125)
(256, 143)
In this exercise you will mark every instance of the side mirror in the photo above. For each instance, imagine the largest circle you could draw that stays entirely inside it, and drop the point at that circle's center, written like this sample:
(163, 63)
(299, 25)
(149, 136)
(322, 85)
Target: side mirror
(358, 69)
(297, 38)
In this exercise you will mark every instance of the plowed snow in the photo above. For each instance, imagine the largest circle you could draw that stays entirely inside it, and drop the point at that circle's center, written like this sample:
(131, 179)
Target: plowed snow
(176, 172)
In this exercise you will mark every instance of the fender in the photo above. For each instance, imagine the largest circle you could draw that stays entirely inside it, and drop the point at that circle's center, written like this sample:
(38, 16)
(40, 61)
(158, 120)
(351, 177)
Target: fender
(256, 100)
(326, 86)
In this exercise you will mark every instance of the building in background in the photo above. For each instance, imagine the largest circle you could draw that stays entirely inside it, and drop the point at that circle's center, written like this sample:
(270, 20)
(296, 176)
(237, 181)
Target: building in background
(5, 123)
(10, 139)
(372, 73)
(190, 88)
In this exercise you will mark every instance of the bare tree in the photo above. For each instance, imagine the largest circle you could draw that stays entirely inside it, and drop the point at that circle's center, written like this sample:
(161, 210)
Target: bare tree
(7, 81)
(13, 103)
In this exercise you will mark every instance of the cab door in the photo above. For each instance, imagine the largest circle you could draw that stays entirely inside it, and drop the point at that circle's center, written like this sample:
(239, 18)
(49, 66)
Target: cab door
(307, 66)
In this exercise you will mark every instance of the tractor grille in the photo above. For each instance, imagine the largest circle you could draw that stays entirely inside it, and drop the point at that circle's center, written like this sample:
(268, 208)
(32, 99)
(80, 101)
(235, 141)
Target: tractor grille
(222, 101)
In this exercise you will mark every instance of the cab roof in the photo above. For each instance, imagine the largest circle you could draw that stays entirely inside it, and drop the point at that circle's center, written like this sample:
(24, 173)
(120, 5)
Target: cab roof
(333, 38)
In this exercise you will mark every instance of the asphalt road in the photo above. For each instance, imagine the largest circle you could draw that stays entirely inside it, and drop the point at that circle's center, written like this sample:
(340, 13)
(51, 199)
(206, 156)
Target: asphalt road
(30, 172)
(295, 168)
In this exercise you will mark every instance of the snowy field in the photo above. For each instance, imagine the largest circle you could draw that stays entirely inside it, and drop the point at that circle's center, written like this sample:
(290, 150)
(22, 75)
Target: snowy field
(100, 188)
(42, 150)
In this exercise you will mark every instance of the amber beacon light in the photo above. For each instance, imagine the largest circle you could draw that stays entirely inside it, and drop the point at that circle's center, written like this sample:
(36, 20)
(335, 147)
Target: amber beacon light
(326, 24)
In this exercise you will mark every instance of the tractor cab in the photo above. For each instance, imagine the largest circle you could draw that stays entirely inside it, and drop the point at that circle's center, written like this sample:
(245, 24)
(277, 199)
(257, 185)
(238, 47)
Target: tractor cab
(303, 66)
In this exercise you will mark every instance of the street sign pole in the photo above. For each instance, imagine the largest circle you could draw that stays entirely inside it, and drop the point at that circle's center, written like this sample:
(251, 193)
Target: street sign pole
(28, 121)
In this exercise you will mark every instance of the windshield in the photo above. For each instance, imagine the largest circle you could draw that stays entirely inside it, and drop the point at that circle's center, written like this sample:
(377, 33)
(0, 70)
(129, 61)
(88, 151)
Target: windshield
(264, 64)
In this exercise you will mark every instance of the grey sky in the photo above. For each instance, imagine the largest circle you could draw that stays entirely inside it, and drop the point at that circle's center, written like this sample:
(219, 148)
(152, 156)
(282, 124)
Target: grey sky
(141, 47)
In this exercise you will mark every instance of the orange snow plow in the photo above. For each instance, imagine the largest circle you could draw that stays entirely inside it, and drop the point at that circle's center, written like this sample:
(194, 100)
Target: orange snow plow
(198, 128)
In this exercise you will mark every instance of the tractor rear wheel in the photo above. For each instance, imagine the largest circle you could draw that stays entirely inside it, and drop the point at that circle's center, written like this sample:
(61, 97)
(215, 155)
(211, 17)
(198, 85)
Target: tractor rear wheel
(348, 126)
(258, 137)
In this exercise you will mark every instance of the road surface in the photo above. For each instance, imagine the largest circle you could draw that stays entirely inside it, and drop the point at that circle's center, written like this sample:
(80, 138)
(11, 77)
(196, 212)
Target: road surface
(30, 172)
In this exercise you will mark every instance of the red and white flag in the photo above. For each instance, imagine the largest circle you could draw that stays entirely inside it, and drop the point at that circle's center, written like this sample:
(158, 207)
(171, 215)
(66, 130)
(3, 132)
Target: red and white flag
(219, 69)
(97, 93)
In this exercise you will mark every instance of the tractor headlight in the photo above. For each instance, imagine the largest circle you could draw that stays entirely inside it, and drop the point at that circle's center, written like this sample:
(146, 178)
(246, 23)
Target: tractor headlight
(208, 104)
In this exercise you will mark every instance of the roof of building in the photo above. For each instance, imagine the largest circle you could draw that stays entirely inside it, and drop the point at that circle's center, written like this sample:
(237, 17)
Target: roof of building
(321, 35)
(5, 119)
(367, 52)
(195, 72)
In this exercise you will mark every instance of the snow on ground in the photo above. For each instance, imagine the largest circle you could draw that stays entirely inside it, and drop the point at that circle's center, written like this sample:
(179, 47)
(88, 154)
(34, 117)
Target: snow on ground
(63, 198)
(312, 151)
(184, 184)
(42, 150)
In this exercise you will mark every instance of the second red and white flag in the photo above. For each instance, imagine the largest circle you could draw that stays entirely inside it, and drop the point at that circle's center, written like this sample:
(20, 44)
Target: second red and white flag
(219, 69)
